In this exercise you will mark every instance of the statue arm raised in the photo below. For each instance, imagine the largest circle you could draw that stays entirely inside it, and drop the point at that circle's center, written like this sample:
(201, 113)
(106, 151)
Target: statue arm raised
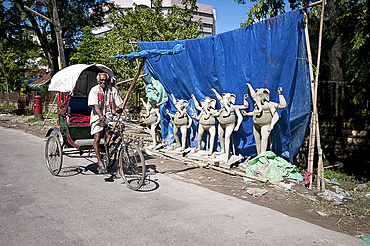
(245, 103)
(282, 101)
(219, 97)
(252, 92)
(196, 103)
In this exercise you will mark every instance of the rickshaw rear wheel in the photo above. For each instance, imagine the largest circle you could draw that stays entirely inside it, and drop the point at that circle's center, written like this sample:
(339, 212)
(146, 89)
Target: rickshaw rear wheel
(53, 155)
(132, 166)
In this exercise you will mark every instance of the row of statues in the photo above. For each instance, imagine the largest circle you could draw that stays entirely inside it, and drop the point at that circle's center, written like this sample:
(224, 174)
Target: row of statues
(229, 117)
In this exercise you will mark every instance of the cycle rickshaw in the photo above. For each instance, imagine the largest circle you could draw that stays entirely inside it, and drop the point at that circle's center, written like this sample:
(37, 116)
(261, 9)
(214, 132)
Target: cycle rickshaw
(72, 85)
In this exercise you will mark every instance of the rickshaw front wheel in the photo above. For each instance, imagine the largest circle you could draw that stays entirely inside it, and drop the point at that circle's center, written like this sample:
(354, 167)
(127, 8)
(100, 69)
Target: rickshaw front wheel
(53, 155)
(108, 162)
(132, 166)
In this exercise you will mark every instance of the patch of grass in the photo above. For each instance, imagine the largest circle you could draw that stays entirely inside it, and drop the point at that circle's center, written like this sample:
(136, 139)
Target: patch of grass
(51, 115)
(33, 119)
(7, 108)
(340, 177)
(361, 206)
(331, 208)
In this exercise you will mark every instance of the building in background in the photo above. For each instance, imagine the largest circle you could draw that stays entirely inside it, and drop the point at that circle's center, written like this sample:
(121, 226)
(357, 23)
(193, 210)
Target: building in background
(205, 13)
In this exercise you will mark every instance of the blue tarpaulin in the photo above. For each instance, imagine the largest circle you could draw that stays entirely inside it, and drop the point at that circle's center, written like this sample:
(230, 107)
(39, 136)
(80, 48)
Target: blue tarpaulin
(268, 54)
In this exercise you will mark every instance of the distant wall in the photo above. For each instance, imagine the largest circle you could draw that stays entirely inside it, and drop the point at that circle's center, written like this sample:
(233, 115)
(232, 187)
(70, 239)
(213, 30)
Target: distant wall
(26, 100)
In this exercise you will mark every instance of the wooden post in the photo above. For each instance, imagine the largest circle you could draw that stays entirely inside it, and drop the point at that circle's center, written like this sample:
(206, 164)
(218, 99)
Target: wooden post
(314, 123)
(128, 80)
(137, 61)
(55, 98)
(134, 81)
(320, 169)
(129, 92)
(312, 139)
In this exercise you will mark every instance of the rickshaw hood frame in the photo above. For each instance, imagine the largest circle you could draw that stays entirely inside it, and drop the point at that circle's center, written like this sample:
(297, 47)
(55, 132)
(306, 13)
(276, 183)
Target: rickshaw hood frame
(65, 80)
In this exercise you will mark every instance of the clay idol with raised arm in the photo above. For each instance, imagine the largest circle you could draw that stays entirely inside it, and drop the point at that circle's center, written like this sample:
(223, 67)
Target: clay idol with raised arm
(181, 121)
(264, 115)
(207, 121)
(229, 118)
(151, 119)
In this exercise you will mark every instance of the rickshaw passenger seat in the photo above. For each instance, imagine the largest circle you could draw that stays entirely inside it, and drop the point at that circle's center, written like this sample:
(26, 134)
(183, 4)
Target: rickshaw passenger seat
(79, 111)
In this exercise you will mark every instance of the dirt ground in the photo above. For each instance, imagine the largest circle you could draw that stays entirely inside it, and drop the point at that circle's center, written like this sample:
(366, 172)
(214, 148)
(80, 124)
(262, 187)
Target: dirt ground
(289, 197)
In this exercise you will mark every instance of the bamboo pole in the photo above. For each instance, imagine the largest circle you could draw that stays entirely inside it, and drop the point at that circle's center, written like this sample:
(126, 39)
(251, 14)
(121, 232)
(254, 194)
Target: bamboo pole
(47, 116)
(128, 93)
(137, 61)
(320, 169)
(312, 139)
(306, 6)
(128, 80)
(134, 81)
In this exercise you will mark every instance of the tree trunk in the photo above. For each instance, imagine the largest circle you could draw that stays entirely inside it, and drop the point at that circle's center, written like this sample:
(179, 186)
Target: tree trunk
(334, 53)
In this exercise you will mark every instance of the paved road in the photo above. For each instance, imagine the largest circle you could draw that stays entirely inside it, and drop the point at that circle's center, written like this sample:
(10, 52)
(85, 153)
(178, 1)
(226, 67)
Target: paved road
(37, 208)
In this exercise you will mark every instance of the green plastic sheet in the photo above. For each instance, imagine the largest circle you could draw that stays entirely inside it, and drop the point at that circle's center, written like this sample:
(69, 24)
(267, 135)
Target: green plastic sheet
(271, 167)
(155, 92)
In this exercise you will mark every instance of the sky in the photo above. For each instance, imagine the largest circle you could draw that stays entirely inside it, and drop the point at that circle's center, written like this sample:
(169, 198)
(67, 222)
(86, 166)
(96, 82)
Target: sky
(229, 14)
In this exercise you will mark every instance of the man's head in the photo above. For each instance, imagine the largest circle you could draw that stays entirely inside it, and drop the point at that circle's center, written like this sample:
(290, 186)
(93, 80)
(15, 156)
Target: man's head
(102, 79)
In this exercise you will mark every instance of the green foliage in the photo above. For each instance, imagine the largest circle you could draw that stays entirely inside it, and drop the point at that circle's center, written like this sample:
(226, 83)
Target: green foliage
(88, 51)
(51, 115)
(136, 25)
(73, 16)
(361, 206)
(263, 9)
(33, 119)
(354, 28)
(19, 50)
(340, 177)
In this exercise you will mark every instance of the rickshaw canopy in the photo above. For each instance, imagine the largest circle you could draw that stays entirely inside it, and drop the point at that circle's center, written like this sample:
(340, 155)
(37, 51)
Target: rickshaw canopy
(65, 80)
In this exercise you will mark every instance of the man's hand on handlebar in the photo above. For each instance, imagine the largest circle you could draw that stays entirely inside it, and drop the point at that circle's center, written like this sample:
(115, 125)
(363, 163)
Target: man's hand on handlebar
(119, 110)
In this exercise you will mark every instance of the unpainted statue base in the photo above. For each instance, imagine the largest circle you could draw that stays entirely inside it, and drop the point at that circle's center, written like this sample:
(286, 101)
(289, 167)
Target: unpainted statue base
(219, 160)
(179, 150)
(199, 154)
(154, 147)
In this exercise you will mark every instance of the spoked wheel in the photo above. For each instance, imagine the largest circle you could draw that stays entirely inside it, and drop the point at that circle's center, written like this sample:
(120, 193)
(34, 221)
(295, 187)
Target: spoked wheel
(53, 155)
(132, 166)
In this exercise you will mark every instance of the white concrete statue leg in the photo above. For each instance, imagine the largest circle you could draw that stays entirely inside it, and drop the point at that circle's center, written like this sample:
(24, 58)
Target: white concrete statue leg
(184, 131)
(229, 130)
(257, 138)
(265, 133)
(212, 133)
(221, 137)
(153, 134)
(200, 136)
(176, 135)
